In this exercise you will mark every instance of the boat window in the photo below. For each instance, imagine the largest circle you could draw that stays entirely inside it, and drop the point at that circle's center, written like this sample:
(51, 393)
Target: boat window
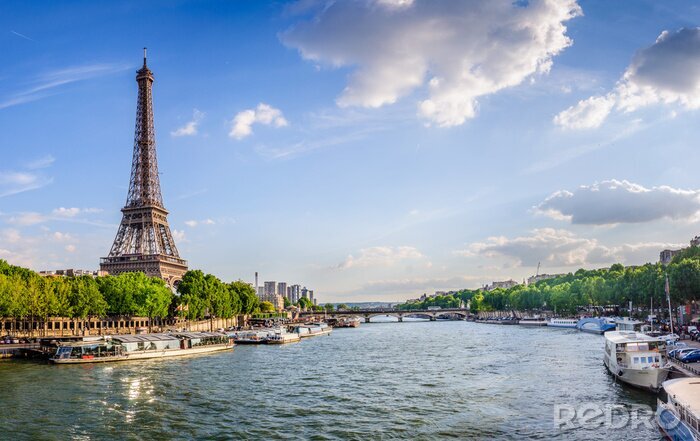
(636, 360)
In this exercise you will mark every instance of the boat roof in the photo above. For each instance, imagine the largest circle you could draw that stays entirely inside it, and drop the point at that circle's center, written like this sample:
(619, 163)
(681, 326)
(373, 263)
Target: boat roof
(685, 391)
(630, 337)
(200, 334)
(144, 338)
(628, 321)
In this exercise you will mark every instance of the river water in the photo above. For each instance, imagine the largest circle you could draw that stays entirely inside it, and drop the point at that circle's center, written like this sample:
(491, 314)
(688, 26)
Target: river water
(410, 380)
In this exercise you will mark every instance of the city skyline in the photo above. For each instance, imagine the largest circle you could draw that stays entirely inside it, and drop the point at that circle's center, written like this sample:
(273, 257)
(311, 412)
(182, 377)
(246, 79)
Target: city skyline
(374, 171)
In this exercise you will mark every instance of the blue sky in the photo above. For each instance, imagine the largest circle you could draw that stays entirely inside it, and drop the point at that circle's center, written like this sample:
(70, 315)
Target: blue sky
(369, 149)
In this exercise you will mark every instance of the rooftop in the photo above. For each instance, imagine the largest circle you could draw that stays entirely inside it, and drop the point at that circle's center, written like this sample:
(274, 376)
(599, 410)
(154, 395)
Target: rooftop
(685, 391)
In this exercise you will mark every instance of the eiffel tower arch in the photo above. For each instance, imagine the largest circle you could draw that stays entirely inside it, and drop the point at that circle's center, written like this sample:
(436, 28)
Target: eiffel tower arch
(144, 242)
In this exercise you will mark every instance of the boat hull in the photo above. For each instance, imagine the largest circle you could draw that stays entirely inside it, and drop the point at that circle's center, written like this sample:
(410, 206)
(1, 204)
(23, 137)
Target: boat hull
(648, 379)
(316, 334)
(283, 341)
(671, 426)
(144, 355)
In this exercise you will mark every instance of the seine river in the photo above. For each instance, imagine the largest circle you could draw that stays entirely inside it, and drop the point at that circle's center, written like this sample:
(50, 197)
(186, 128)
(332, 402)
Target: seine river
(412, 380)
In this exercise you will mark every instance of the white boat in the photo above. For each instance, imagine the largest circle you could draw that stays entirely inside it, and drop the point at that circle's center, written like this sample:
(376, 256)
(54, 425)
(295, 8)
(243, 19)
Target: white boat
(628, 324)
(636, 358)
(140, 347)
(679, 417)
(533, 321)
(562, 323)
(256, 337)
(313, 330)
(281, 337)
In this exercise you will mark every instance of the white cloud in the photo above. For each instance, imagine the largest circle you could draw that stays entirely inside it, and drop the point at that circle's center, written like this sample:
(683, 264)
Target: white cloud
(191, 127)
(179, 235)
(42, 84)
(667, 72)
(66, 212)
(561, 249)
(70, 248)
(556, 248)
(587, 114)
(242, 124)
(27, 219)
(61, 237)
(195, 223)
(14, 182)
(43, 162)
(461, 50)
(10, 235)
(380, 256)
(613, 202)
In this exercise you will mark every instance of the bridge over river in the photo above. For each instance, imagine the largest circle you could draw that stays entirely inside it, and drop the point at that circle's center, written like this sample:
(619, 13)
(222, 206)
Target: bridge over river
(367, 314)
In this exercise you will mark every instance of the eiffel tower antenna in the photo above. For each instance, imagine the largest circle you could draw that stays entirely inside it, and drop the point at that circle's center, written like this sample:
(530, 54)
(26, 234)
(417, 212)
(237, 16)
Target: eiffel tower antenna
(144, 241)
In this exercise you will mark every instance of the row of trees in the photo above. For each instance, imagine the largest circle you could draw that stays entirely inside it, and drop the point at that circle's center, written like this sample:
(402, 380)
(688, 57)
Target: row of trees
(26, 295)
(202, 295)
(566, 294)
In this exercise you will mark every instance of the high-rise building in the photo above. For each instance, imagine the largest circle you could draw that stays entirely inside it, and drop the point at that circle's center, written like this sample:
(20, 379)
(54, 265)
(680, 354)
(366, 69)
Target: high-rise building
(270, 288)
(311, 295)
(282, 289)
(261, 293)
(144, 241)
(295, 293)
(305, 292)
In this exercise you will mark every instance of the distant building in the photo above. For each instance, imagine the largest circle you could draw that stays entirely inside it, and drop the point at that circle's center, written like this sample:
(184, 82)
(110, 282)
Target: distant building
(503, 285)
(270, 294)
(540, 277)
(305, 292)
(311, 296)
(270, 288)
(282, 289)
(295, 293)
(72, 273)
(666, 256)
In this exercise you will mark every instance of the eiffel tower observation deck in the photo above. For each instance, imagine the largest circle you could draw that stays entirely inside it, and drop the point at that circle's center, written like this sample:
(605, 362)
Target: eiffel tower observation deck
(144, 241)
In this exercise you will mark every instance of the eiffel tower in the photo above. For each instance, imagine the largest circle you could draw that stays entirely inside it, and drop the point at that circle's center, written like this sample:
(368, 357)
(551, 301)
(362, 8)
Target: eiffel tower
(144, 242)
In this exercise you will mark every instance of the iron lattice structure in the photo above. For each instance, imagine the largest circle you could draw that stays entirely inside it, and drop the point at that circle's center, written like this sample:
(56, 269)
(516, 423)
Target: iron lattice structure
(144, 241)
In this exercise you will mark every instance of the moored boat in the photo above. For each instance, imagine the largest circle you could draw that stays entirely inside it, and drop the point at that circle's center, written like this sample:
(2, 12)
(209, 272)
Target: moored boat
(562, 323)
(679, 417)
(595, 325)
(636, 359)
(313, 330)
(533, 321)
(281, 337)
(254, 337)
(140, 347)
(347, 322)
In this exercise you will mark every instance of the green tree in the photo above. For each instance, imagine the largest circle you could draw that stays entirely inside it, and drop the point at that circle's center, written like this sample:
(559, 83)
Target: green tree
(267, 307)
(249, 301)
